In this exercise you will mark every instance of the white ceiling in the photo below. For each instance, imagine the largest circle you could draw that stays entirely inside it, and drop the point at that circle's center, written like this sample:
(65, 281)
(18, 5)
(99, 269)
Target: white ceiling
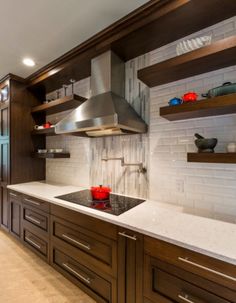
(46, 29)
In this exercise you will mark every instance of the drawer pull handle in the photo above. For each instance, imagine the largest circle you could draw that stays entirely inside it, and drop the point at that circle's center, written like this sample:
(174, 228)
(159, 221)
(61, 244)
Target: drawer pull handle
(185, 298)
(186, 260)
(33, 219)
(14, 195)
(76, 242)
(33, 243)
(123, 234)
(87, 280)
(33, 202)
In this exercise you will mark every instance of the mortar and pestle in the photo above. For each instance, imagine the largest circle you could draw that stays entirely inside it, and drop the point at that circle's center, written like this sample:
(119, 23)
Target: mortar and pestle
(205, 145)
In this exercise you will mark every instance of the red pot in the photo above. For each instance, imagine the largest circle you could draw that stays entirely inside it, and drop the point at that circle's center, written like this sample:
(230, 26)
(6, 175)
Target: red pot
(47, 125)
(190, 97)
(100, 192)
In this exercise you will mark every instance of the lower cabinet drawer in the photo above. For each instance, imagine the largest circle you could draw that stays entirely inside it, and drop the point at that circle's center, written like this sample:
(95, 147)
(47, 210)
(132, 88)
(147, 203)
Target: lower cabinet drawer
(36, 218)
(35, 243)
(92, 283)
(100, 248)
(209, 268)
(164, 283)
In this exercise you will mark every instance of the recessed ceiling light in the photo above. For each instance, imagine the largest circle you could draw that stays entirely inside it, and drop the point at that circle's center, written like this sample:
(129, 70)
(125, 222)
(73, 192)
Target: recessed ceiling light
(28, 62)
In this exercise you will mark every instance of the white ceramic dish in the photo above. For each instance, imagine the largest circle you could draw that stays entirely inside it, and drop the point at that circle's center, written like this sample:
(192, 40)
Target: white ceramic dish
(42, 151)
(192, 44)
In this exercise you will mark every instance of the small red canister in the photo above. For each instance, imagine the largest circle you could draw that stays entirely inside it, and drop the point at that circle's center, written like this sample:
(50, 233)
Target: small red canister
(47, 125)
(100, 192)
(190, 97)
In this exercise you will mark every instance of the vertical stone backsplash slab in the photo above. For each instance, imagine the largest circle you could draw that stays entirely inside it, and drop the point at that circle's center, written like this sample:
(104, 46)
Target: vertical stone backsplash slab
(134, 148)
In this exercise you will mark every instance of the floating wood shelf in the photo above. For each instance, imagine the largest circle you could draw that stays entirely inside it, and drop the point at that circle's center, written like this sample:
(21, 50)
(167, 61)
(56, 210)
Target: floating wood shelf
(59, 105)
(212, 57)
(221, 105)
(212, 157)
(51, 155)
(143, 30)
(46, 131)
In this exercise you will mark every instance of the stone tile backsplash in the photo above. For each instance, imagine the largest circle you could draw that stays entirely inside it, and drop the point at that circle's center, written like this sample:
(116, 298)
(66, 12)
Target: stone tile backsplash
(208, 189)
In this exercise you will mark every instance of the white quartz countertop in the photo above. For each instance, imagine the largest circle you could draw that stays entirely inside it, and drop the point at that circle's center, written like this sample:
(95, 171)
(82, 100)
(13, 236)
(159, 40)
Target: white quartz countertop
(166, 222)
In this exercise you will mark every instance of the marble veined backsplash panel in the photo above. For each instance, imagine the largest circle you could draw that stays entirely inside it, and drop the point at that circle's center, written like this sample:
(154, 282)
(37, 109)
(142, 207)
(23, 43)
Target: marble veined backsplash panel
(134, 148)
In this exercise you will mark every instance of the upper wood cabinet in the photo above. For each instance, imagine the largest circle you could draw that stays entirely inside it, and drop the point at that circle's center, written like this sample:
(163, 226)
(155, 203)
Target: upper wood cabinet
(16, 144)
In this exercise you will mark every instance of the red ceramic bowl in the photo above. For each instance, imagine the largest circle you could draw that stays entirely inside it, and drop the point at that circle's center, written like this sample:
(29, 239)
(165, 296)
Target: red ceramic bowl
(100, 192)
(190, 97)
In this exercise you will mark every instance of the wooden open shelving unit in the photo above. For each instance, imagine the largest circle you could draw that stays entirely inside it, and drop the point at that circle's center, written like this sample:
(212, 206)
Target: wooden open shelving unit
(51, 155)
(212, 57)
(221, 105)
(143, 30)
(59, 105)
(227, 158)
(46, 131)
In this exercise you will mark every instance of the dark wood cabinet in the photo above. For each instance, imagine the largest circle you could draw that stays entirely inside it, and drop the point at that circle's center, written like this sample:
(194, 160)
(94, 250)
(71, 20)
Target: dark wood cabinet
(176, 274)
(15, 214)
(114, 264)
(84, 249)
(4, 208)
(35, 218)
(16, 145)
(130, 267)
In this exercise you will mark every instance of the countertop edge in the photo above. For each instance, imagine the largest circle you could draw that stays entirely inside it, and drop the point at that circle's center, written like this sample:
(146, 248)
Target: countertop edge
(131, 227)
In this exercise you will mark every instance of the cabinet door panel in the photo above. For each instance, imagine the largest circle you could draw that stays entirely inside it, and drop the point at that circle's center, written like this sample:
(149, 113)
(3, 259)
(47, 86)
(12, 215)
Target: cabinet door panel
(15, 218)
(5, 122)
(130, 267)
(4, 163)
(4, 208)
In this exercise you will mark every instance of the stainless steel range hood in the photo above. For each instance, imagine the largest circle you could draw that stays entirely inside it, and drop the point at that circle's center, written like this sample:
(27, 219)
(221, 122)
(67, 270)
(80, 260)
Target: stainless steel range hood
(106, 112)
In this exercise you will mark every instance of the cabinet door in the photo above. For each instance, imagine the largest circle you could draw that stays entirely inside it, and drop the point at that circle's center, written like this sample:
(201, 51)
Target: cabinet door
(130, 267)
(15, 215)
(4, 162)
(4, 208)
(4, 122)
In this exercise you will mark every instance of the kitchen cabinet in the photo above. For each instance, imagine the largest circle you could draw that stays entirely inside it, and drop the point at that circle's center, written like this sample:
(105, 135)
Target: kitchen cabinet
(84, 250)
(130, 266)
(4, 208)
(15, 214)
(114, 264)
(36, 225)
(175, 274)
(16, 143)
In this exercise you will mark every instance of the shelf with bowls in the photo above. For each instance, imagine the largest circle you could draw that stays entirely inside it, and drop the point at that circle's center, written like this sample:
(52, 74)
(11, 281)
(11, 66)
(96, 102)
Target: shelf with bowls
(221, 105)
(218, 55)
(59, 105)
(44, 131)
(227, 158)
(48, 155)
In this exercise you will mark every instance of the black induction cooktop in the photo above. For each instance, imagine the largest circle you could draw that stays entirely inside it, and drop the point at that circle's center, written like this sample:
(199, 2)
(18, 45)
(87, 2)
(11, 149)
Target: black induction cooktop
(116, 204)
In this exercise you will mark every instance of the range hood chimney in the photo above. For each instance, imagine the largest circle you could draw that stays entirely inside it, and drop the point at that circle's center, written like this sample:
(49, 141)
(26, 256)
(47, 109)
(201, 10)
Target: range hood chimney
(106, 112)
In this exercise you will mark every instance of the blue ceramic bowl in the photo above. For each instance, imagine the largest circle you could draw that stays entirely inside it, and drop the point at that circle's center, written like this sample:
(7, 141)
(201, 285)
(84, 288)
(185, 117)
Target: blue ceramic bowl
(175, 101)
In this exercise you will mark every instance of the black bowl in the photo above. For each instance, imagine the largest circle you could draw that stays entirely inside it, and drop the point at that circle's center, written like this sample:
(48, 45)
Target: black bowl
(206, 145)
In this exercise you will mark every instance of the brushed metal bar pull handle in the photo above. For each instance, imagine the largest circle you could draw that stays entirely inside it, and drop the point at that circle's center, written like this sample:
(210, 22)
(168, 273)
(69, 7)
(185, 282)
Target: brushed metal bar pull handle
(185, 298)
(33, 202)
(14, 195)
(33, 219)
(123, 234)
(218, 273)
(87, 280)
(76, 242)
(33, 243)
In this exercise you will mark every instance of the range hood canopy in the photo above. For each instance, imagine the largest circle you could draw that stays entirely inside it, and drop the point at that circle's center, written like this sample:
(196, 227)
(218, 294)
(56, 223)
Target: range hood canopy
(106, 112)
